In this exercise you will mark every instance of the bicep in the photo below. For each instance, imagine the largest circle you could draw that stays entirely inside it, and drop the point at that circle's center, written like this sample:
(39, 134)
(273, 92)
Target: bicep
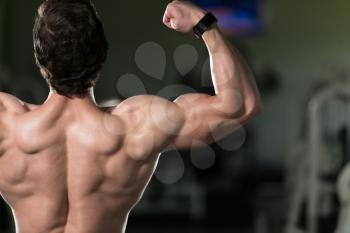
(205, 121)
(156, 124)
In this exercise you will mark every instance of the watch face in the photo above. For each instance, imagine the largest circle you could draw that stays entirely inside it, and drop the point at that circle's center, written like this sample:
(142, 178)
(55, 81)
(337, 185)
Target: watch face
(236, 17)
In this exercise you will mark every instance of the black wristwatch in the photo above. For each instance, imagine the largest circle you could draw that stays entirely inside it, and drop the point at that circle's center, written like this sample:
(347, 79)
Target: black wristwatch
(204, 25)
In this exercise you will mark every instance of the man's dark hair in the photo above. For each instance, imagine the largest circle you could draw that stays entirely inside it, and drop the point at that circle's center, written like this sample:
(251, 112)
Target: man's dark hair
(69, 45)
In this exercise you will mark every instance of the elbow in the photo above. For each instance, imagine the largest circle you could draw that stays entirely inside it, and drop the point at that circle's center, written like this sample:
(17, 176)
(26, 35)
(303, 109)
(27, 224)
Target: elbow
(248, 110)
(252, 111)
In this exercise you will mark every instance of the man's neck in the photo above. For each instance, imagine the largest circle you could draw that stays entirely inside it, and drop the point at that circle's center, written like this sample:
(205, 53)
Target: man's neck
(87, 99)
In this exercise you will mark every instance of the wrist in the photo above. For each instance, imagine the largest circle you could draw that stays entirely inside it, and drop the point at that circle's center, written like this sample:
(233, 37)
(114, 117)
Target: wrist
(212, 32)
(198, 16)
(205, 24)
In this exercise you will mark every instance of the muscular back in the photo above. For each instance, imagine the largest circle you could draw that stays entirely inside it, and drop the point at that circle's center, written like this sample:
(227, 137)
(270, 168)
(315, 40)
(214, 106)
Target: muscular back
(72, 167)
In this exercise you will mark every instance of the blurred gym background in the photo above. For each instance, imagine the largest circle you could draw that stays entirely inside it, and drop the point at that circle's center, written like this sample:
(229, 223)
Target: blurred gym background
(284, 172)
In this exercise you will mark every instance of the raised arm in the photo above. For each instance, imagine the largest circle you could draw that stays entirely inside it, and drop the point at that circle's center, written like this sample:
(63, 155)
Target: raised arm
(155, 124)
(237, 98)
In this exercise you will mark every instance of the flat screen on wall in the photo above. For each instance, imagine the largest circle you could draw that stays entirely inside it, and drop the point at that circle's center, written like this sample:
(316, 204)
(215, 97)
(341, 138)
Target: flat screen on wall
(237, 17)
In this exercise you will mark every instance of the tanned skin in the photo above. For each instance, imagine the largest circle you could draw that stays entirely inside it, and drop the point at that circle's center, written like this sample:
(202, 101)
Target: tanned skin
(69, 166)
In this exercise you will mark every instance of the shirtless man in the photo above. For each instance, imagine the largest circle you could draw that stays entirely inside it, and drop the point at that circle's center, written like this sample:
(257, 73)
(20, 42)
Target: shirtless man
(69, 166)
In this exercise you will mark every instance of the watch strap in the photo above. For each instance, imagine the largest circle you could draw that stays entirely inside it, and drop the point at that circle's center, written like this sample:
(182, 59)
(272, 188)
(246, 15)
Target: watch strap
(204, 24)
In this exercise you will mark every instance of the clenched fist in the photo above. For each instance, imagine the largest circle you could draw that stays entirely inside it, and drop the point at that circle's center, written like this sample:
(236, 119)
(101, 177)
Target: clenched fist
(182, 16)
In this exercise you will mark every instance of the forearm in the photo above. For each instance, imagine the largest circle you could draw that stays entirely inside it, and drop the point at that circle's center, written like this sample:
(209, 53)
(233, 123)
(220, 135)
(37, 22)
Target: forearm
(235, 87)
(207, 118)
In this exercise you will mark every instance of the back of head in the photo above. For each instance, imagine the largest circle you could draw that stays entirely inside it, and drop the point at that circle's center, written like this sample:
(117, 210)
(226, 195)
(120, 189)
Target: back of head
(69, 45)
